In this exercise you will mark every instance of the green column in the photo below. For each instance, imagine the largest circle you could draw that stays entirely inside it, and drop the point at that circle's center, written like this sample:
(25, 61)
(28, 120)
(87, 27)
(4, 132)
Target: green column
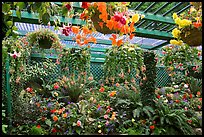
(8, 91)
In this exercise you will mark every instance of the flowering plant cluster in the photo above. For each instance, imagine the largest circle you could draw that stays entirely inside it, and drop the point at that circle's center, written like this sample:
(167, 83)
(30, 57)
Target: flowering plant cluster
(188, 23)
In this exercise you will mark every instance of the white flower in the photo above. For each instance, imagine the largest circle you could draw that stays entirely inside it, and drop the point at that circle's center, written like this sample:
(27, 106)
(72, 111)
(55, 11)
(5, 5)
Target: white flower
(185, 86)
(15, 54)
(165, 101)
(176, 86)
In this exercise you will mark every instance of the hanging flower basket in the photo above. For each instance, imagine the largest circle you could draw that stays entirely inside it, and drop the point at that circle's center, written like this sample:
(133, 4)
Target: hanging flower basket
(192, 37)
(95, 19)
(44, 38)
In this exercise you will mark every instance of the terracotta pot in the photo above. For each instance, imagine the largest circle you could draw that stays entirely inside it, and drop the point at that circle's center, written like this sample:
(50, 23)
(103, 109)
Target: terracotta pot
(192, 37)
(95, 19)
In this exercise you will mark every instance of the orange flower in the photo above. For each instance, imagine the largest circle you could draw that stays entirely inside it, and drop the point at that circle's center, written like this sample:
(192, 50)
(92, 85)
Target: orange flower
(92, 39)
(197, 24)
(132, 35)
(101, 6)
(125, 29)
(86, 30)
(177, 101)
(55, 118)
(86, 41)
(198, 93)
(101, 24)
(64, 115)
(117, 84)
(112, 94)
(102, 89)
(104, 16)
(191, 95)
(38, 104)
(78, 36)
(59, 111)
(75, 29)
(78, 41)
(110, 24)
(119, 42)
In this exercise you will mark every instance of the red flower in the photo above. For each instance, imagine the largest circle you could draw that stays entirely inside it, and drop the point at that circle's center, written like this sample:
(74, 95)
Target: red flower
(199, 107)
(198, 93)
(38, 126)
(191, 95)
(152, 127)
(43, 118)
(53, 111)
(56, 86)
(85, 5)
(199, 53)
(83, 16)
(184, 96)
(189, 121)
(102, 89)
(177, 101)
(180, 64)
(158, 96)
(68, 6)
(54, 130)
(197, 24)
(123, 21)
(29, 89)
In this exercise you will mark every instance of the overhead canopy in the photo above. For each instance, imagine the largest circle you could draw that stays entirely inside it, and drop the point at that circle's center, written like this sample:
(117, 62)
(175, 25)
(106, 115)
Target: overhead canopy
(153, 32)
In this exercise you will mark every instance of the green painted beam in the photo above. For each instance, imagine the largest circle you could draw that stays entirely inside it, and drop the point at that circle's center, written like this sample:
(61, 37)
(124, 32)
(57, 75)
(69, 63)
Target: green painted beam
(27, 17)
(99, 41)
(159, 46)
(155, 34)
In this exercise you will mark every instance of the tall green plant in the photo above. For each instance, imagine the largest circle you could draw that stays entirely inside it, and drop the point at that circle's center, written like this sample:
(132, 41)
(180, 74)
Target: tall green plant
(147, 84)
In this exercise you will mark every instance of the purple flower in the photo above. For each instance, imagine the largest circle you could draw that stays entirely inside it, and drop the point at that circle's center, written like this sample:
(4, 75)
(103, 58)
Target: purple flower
(49, 104)
(98, 109)
(171, 102)
(176, 95)
(162, 90)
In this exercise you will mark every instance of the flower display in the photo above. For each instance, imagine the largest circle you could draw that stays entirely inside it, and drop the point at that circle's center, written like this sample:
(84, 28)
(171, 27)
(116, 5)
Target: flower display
(189, 28)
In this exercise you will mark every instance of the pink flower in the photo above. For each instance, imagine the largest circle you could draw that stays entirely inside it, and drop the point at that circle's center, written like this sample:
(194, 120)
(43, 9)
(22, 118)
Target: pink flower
(90, 78)
(105, 116)
(107, 122)
(118, 16)
(68, 7)
(29, 89)
(123, 21)
(56, 86)
(78, 123)
(108, 110)
(156, 59)
(15, 54)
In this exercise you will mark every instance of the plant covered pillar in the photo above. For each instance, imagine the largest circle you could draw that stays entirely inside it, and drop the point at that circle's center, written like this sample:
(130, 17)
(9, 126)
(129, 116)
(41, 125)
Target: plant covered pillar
(147, 84)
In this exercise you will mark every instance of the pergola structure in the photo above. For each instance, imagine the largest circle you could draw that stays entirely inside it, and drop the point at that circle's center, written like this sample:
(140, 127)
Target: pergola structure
(152, 32)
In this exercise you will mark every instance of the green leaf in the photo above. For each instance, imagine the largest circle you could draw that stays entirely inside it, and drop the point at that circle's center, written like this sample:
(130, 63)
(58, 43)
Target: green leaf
(45, 18)
(21, 5)
(18, 13)
(6, 8)
(8, 32)
(78, 131)
(48, 122)
(9, 23)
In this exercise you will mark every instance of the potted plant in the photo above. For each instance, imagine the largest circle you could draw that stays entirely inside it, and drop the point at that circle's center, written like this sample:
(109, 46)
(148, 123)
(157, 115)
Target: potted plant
(44, 38)
(189, 28)
(109, 17)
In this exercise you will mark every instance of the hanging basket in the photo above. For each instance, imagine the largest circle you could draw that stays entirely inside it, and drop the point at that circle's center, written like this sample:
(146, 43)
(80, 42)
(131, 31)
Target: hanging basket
(95, 19)
(45, 43)
(192, 37)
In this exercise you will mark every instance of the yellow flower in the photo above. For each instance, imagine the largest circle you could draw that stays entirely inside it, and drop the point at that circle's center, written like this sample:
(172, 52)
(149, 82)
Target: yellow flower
(99, 126)
(99, 131)
(183, 23)
(56, 94)
(175, 42)
(177, 21)
(176, 33)
(142, 16)
(130, 49)
(133, 120)
(175, 16)
(135, 18)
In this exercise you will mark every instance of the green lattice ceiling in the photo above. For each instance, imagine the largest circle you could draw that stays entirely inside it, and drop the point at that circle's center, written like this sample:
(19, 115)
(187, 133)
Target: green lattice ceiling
(157, 24)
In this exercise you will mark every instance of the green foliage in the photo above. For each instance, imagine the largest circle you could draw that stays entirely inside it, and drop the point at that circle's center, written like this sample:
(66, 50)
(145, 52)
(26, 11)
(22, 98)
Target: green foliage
(147, 84)
(44, 38)
(174, 119)
(120, 62)
(75, 60)
(36, 131)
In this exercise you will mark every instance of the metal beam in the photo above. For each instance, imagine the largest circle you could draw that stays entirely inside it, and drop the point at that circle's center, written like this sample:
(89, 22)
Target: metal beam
(27, 17)
(174, 7)
(155, 34)
(138, 6)
(159, 46)
(183, 9)
(149, 7)
(163, 6)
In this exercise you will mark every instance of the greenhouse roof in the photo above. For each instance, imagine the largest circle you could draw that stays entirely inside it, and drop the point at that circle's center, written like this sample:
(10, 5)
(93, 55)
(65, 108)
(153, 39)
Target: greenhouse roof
(153, 32)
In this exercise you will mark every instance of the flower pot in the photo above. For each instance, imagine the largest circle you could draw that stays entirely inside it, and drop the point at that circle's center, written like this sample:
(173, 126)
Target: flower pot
(192, 37)
(95, 19)
(45, 43)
